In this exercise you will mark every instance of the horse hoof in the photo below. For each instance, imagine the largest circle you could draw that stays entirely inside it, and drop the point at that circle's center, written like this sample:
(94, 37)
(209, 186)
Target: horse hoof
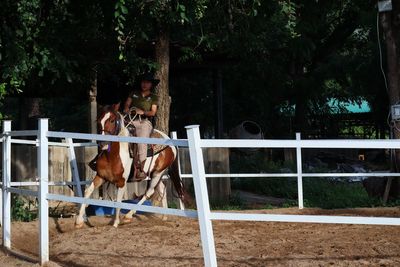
(164, 218)
(78, 225)
(115, 225)
(127, 220)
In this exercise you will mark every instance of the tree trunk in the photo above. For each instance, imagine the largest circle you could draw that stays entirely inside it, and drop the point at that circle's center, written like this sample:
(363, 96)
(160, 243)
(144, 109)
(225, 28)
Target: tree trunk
(300, 119)
(300, 116)
(393, 84)
(162, 90)
(29, 113)
(93, 103)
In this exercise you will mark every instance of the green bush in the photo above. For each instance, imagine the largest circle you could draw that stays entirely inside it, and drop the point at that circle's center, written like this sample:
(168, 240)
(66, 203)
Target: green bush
(318, 192)
(21, 209)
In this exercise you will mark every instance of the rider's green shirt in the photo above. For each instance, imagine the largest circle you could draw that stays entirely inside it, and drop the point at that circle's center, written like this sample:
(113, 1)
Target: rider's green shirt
(143, 103)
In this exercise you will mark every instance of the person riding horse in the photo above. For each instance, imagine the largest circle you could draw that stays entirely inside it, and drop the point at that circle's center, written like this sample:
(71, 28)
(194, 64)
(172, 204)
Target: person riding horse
(141, 106)
(114, 165)
(140, 109)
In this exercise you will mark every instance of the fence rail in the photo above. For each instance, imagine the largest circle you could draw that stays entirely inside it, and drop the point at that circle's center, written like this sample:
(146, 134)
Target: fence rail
(304, 218)
(49, 183)
(328, 143)
(129, 206)
(35, 143)
(286, 175)
(195, 145)
(111, 138)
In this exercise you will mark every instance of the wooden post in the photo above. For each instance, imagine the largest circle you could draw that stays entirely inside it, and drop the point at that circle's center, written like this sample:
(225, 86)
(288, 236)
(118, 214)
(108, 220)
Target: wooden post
(216, 160)
(218, 102)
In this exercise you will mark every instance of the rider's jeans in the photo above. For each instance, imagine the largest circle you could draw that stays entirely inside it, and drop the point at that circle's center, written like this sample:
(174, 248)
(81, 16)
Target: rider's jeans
(143, 129)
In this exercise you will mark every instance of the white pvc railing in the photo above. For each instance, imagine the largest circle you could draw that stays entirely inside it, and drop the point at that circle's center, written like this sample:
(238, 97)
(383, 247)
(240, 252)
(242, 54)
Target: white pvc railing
(195, 145)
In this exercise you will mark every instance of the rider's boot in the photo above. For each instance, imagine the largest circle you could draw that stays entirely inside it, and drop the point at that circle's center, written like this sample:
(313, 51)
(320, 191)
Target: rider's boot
(141, 174)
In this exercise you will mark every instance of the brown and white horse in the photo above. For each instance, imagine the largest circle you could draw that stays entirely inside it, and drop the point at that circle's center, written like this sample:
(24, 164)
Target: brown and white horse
(114, 165)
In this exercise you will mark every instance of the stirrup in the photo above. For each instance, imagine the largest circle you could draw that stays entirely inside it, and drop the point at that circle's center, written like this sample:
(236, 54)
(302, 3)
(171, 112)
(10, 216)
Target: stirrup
(142, 176)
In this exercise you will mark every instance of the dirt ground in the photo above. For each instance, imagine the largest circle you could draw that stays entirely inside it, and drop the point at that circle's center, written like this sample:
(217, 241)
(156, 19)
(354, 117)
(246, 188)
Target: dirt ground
(149, 241)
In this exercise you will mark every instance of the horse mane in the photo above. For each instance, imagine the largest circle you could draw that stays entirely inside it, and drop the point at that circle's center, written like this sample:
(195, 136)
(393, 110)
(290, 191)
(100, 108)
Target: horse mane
(108, 108)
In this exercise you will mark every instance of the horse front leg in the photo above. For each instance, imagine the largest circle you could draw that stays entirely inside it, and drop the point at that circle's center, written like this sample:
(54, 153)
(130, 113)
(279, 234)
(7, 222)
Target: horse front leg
(120, 194)
(128, 217)
(96, 182)
(161, 190)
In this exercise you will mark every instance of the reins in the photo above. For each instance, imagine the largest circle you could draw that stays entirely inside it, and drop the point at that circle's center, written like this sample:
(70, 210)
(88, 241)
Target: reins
(130, 117)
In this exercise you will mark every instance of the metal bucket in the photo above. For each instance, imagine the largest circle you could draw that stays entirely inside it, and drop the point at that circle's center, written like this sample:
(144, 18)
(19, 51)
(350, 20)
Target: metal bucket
(247, 130)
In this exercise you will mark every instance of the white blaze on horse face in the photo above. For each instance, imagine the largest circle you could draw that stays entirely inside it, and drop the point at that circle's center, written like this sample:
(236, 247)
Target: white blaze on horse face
(103, 123)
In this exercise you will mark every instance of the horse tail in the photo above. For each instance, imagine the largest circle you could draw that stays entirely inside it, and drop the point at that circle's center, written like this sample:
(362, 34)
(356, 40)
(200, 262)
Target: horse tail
(176, 178)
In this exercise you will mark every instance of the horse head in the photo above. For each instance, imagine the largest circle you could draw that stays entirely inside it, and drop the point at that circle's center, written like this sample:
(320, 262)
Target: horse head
(109, 122)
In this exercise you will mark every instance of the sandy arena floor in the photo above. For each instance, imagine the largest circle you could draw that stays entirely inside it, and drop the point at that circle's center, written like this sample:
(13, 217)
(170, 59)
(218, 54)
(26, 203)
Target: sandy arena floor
(149, 241)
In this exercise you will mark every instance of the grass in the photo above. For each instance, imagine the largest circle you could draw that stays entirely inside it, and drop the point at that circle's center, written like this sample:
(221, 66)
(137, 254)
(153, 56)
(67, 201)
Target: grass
(328, 194)
(317, 192)
(234, 203)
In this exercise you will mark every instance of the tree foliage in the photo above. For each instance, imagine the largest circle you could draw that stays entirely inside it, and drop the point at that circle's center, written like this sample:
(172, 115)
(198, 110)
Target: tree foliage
(277, 57)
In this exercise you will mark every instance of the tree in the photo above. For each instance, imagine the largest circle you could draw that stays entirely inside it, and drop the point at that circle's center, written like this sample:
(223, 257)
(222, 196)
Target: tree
(55, 48)
(151, 21)
(391, 29)
(277, 56)
(285, 54)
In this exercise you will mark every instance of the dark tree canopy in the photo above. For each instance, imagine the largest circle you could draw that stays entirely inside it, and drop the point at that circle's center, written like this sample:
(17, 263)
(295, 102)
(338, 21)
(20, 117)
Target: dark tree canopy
(277, 59)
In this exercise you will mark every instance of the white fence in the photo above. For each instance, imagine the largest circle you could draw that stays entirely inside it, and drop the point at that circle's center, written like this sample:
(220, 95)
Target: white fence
(195, 145)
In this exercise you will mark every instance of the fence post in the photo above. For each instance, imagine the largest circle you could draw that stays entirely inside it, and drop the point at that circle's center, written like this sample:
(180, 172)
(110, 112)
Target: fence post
(6, 195)
(174, 135)
(43, 171)
(201, 194)
(299, 172)
(74, 167)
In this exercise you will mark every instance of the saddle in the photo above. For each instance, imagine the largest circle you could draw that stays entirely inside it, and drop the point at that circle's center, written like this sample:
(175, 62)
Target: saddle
(152, 150)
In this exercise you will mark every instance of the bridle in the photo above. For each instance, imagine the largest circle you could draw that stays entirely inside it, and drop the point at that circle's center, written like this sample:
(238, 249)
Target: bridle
(118, 123)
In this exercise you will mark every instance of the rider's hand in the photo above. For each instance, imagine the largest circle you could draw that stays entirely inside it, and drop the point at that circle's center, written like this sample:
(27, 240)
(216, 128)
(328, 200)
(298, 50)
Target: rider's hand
(139, 111)
(126, 110)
